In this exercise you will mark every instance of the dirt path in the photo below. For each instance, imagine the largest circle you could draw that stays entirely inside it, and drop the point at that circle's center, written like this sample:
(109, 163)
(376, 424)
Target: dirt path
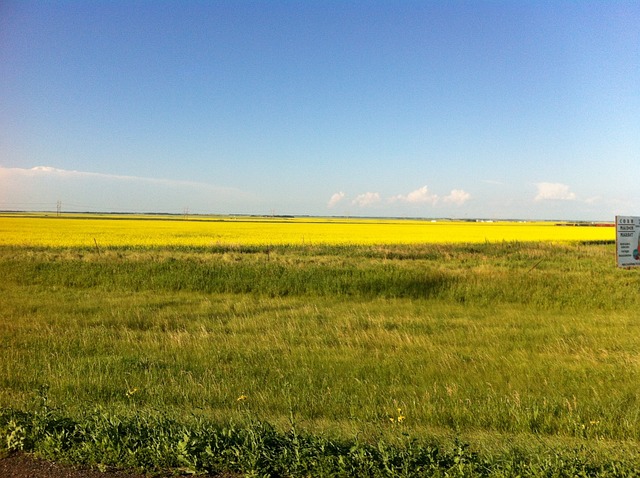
(25, 466)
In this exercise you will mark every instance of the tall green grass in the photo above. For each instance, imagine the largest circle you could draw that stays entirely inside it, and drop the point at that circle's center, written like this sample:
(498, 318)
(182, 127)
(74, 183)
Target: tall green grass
(495, 343)
(541, 275)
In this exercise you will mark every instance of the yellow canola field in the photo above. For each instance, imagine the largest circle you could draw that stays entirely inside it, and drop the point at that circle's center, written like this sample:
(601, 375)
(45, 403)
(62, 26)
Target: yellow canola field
(147, 231)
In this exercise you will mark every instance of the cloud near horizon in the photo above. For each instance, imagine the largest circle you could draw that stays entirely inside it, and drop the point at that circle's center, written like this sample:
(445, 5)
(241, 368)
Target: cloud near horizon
(366, 199)
(41, 186)
(424, 196)
(419, 196)
(48, 171)
(335, 199)
(554, 192)
(457, 197)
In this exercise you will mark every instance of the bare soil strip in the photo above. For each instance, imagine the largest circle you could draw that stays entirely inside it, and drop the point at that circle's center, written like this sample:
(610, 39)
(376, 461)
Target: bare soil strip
(21, 465)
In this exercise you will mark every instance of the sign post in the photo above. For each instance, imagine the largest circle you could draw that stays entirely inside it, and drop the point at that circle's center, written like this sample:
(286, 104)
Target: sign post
(628, 241)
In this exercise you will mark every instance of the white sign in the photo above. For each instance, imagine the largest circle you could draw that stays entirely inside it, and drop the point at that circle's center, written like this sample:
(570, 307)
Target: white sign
(628, 241)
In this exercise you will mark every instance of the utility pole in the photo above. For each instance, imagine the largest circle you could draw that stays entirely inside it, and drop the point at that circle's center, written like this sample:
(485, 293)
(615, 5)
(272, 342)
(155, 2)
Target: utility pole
(58, 208)
(186, 213)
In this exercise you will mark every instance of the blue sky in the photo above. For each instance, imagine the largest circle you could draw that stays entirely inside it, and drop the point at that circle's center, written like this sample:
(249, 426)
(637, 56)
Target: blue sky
(489, 109)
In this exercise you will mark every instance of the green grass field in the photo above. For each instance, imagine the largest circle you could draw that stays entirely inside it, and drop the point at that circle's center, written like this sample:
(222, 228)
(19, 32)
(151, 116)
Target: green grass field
(493, 359)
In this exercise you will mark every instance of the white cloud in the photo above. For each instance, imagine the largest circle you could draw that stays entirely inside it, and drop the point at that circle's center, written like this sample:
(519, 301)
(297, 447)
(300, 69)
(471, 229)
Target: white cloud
(554, 192)
(424, 196)
(40, 187)
(335, 199)
(366, 199)
(419, 196)
(51, 172)
(457, 196)
(46, 169)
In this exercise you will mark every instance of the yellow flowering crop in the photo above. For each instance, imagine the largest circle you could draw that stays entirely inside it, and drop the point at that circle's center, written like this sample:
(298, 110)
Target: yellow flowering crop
(123, 230)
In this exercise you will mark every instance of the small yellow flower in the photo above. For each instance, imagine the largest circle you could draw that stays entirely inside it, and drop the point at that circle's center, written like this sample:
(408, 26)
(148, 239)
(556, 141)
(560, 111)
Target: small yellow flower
(241, 398)
(399, 418)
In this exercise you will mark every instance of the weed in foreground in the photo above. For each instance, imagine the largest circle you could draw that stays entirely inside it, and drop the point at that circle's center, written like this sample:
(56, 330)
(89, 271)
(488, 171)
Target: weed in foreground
(154, 443)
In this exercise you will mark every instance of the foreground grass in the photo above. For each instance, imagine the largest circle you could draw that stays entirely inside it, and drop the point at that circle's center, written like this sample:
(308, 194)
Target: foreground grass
(157, 443)
(526, 352)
